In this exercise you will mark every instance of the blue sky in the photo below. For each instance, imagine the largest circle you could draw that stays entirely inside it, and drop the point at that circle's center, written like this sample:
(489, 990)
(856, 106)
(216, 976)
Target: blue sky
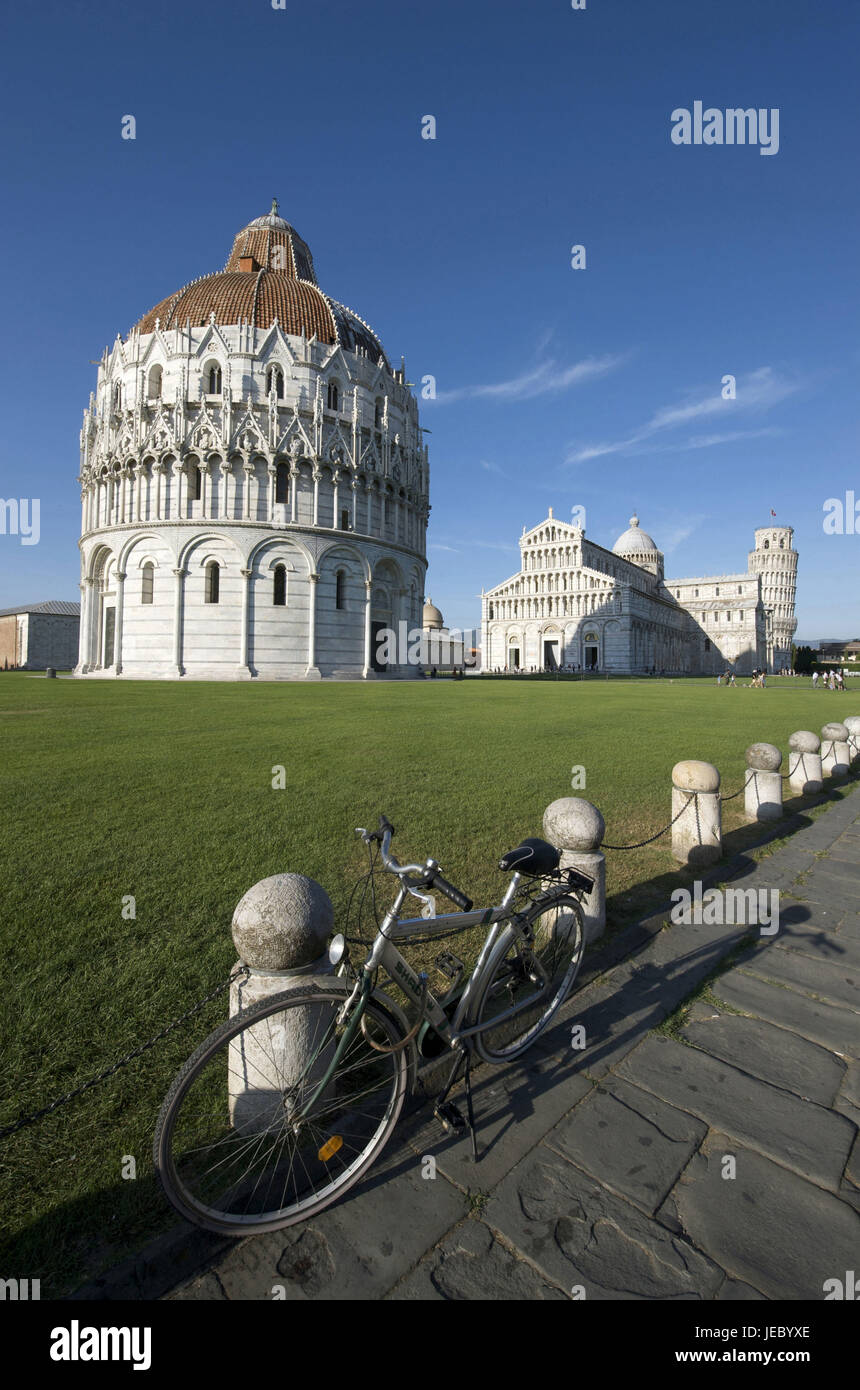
(556, 387)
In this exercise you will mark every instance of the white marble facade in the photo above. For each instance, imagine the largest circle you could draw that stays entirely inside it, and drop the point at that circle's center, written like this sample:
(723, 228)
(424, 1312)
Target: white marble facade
(254, 486)
(575, 604)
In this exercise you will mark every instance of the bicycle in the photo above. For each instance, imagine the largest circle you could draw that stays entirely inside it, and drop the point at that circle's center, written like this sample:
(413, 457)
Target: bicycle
(250, 1140)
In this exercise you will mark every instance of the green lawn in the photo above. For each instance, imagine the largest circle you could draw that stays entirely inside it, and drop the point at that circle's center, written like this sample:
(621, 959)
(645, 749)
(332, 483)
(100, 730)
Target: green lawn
(164, 792)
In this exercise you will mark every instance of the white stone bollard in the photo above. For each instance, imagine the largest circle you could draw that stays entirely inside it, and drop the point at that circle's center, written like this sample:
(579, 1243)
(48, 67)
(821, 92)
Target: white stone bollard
(852, 724)
(280, 930)
(576, 827)
(835, 753)
(804, 763)
(697, 833)
(763, 783)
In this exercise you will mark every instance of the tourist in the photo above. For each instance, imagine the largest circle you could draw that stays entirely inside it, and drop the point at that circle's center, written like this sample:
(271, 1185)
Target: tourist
(814, 679)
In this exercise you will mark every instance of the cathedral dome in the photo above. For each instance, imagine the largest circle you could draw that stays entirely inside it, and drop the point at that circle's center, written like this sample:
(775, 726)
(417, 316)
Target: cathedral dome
(431, 617)
(635, 542)
(269, 275)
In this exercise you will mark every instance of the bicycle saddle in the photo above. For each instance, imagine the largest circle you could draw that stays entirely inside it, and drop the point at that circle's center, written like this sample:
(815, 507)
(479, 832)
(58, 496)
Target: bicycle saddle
(531, 857)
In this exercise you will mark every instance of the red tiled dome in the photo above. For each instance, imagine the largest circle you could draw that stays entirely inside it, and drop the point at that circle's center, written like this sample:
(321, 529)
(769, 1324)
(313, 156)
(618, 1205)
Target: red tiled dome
(269, 274)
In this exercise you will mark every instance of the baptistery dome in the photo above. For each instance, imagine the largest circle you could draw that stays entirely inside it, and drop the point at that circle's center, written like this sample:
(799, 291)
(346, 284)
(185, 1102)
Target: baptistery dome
(269, 276)
(254, 482)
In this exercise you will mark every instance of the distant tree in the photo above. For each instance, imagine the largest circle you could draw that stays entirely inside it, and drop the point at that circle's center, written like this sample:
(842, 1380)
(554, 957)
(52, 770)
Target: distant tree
(803, 658)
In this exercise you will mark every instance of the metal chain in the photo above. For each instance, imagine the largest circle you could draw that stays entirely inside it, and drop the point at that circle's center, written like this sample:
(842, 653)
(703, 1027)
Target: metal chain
(692, 796)
(25, 1120)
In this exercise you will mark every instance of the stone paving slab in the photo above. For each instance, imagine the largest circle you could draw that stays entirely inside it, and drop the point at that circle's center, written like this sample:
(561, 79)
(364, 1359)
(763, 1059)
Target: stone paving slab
(835, 980)
(355, 1250)
(833, 1027)
(472, 1265)
(515, 1106)
(631, 1141)
(813, 1141)
(578, 1234)
(772, 1054)
(767, 1226)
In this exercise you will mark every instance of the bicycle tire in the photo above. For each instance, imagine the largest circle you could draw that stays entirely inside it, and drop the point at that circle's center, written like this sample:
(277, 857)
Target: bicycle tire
(314, 1160)
(559, 942)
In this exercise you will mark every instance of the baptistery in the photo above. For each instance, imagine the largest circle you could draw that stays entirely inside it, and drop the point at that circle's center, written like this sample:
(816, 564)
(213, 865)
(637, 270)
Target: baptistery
(254, 486)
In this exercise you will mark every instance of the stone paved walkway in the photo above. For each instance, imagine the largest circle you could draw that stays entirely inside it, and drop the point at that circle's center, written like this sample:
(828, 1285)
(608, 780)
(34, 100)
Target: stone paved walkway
(607, 1173)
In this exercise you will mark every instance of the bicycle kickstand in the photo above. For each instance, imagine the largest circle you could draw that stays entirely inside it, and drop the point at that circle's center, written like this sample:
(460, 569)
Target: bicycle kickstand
(450, 1114)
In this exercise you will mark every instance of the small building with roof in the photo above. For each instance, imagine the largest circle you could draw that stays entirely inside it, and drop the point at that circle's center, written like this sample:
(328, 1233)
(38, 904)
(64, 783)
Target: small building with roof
(34, 636)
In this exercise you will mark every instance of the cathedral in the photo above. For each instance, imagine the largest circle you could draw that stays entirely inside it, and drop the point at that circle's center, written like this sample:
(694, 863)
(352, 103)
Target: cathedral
(254, 484)
(575, 604)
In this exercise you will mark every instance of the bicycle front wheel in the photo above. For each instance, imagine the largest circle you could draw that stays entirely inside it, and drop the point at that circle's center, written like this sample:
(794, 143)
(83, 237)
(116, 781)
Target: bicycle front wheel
(243, 1143)
(527, 978)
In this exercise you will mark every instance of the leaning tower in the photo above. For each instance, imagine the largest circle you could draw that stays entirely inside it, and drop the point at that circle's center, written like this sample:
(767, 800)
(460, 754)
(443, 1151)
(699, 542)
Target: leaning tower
(774, 560)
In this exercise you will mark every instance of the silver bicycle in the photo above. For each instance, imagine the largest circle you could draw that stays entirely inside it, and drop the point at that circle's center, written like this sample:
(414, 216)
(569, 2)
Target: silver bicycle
(250, 1139)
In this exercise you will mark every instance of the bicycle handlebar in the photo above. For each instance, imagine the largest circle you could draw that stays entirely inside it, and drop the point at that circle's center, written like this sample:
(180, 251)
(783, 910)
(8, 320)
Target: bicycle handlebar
(428, 874)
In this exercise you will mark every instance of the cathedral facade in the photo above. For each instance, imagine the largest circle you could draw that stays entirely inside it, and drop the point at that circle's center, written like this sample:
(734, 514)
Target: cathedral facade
(575, 604)
(254, 486)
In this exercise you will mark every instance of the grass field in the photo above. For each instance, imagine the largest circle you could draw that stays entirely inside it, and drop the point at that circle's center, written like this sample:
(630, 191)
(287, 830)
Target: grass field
(165, 793)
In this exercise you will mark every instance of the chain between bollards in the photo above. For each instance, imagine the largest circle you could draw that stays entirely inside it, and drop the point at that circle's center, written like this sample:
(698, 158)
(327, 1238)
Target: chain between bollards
(26, 1120)
(693, 796)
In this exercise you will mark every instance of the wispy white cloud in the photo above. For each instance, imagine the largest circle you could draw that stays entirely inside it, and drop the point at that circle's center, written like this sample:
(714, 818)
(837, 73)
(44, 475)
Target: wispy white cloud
(760, 390)
(434, 545)
(547, 377)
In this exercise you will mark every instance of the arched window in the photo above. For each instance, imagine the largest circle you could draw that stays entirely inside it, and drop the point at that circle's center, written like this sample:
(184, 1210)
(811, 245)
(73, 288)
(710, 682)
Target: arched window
(767, 545)
(333, 396)
(280, 590)
(155, 378)
(344, 519)
(195, 483)
(275, 380)
(213, 380)
(782, 545)
(117, 395)
(377, 412)
(213, 582)
(340, 589)
(147, 582)
(282, 483)
(491, 612)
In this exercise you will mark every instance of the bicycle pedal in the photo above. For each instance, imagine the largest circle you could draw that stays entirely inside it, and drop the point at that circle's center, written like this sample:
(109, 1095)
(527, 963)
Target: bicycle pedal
(449, 965)
(450, 1116)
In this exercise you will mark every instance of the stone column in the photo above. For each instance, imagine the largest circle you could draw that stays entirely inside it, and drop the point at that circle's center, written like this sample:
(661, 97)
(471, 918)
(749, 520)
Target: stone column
(83, 633)
(804, 763)
(835, 752)
(313, 580)
(248, 470)
(763, 783)
(368, 589)
(205, 489)
(272, 472)
(158, 474)
(295, 474)
(181, 490)
(117, 640)
(335, 519)
(316, 476)
(280, 929)
(244, 668)
(576, 828)
(226, 473)
(177, 620)
(354, 486)
(852, 724)
(697, 833)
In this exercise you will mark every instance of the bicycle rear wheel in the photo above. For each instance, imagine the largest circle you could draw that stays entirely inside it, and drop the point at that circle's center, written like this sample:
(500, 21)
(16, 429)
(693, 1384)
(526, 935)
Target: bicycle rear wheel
(531, 970)
(235, 1152)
